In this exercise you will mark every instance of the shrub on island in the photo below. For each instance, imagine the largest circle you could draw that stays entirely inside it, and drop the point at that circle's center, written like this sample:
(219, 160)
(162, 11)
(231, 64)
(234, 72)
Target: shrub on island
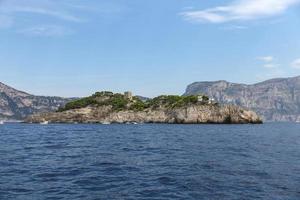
(120, 102)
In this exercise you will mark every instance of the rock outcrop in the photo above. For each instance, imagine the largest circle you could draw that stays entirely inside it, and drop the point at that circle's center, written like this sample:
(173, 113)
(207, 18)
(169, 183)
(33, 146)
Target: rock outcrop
(274, 100)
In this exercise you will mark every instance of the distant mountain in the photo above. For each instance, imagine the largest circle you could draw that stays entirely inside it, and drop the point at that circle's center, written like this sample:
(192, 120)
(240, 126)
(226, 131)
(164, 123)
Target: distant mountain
(142, 98)
(275, 99)
(16, 105)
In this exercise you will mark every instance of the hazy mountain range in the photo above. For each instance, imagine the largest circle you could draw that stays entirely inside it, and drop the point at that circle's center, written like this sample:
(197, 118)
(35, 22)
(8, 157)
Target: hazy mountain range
(16, 105)
(275, 99)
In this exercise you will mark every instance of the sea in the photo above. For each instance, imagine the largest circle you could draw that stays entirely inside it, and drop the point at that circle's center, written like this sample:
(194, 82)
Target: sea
(149, 161)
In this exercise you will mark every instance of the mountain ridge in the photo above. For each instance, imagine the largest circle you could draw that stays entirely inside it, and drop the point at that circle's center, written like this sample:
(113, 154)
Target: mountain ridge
(275, 99)
(17, 105)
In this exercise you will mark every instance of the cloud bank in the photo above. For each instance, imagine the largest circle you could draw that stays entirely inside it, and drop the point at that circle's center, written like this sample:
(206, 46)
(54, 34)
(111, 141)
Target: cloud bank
(240, 10)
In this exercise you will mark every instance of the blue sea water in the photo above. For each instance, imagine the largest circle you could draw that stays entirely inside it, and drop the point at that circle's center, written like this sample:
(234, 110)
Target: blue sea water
(150, 162)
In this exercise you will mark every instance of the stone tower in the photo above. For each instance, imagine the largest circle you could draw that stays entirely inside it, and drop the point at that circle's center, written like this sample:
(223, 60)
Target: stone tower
(128, 95)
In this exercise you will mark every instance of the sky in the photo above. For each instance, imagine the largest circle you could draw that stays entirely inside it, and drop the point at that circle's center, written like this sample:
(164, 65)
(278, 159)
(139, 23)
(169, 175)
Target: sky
(73, 48)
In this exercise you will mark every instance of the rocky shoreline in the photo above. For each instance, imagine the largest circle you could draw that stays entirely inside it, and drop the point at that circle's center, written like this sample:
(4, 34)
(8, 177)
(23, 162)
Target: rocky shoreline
(189, 115)
(106, 108)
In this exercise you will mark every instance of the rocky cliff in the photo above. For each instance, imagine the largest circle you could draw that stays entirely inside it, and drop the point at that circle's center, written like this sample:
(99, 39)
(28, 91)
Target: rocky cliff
(275, 100)
(116, 108)
(17, 105)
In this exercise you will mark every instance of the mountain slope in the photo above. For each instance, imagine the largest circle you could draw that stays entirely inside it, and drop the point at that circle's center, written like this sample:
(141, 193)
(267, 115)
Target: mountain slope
(275, 99)
(17, 105)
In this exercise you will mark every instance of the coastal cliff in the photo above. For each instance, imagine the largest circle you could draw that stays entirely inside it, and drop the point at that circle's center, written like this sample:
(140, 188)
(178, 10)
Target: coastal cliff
(106, 107)
(274, 100)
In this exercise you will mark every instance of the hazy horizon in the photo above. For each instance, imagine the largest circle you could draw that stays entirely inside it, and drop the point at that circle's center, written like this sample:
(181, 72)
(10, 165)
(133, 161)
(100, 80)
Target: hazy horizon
(120, 91)
(73, 48)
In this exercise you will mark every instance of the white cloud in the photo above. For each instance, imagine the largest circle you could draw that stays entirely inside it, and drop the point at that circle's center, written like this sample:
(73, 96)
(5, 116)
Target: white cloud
(266, 58)
(42, 11)
(12, 11)
(234, 27)
(46, 31)
(240, 10)
(296, 64)
(45, 7)
(270, 65)
(268, 62)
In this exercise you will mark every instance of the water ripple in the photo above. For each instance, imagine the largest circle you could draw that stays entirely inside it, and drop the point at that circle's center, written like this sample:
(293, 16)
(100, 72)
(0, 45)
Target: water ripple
(150, 162)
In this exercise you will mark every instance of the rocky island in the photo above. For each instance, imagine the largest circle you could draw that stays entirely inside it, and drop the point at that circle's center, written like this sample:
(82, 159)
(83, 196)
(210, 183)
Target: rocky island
(107, 107)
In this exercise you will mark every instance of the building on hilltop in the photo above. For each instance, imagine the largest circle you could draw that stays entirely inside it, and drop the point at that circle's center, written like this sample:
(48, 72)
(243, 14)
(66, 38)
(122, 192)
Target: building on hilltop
(206, 99)
(200, 98)
(128, 95)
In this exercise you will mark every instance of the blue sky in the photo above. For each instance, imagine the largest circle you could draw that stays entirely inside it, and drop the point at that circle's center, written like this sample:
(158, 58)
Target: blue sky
(77, 47)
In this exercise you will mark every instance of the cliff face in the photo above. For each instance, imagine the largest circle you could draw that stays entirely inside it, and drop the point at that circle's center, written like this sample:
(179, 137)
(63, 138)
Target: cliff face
(187, 115)
(18, 105)
(274, 100)
(163, 109)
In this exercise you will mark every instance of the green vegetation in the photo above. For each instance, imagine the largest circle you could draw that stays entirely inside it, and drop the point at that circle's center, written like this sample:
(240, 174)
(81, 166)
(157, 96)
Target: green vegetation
(119, 102)
(103, 93)
(205, 98)
(138, 105)
(172, 101)
(80, 103)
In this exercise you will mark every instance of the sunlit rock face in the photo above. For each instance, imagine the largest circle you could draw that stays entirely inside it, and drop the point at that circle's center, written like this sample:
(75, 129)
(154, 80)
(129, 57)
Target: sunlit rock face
(274, 100)
(193, 114)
